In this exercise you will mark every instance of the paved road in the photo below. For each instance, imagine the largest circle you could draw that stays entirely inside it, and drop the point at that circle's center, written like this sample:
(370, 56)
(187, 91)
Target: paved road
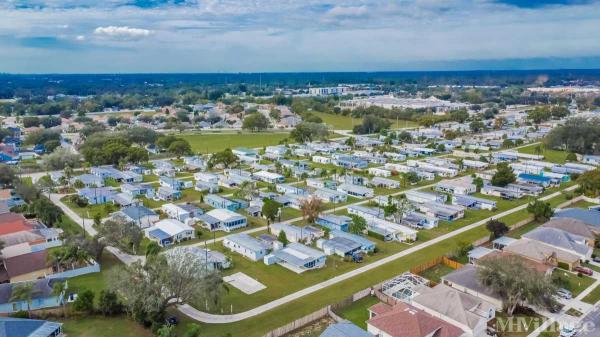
(220, 319)
(590, 325)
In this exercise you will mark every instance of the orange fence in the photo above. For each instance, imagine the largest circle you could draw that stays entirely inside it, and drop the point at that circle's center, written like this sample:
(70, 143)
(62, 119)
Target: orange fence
(440, 260)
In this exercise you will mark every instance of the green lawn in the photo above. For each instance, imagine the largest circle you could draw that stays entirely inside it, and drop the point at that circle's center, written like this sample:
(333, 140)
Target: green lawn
(521, 325)
(90, 211)
(95, 281)
(593, 297)
(553, 156)
(357, 312)
(209, 143)
(574, 283)
(517, 233)
(99, 326)
(342, 122)
(436, 272)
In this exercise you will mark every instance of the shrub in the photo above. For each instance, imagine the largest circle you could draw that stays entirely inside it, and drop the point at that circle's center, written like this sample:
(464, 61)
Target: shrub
(84, 302)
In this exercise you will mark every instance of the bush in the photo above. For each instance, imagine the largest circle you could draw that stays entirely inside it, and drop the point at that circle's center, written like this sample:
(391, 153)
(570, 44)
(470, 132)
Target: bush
(84, 302)
(20, 314)
(108, 303)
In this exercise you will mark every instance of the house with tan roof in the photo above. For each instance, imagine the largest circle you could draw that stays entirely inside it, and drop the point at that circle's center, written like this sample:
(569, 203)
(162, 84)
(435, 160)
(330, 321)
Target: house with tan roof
(542, 253)
(467, 312)
(562, 240)
(405, 320)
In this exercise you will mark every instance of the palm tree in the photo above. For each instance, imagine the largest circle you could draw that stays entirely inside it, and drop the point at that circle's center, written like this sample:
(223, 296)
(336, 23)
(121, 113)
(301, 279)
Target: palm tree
(311, 207)
(23, 292)
(58, 290)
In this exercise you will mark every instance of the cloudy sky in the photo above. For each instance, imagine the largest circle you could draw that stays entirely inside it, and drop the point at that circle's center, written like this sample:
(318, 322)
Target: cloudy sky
(109, 36)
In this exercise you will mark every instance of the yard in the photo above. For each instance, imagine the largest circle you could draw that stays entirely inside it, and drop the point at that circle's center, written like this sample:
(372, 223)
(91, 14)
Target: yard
(99, 326)
(553, 156)
(214, 142)
(90, 211)
(593, 297)
(519, 325)
(341, 122)
(358, 312)
(572, 282)
(436, 272)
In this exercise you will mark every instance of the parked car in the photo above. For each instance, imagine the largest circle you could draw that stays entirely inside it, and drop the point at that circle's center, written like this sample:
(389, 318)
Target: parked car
(172, 320)
(596, 259)
(564, 293)
(584, 270)
(555, 309)
(568, 332)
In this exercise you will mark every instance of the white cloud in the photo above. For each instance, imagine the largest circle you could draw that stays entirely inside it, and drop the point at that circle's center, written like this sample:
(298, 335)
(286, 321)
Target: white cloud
(348, 12)
(80, 37)
(122, 32)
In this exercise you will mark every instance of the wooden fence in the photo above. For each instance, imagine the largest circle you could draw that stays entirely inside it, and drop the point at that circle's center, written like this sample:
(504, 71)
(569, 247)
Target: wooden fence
(439, 260)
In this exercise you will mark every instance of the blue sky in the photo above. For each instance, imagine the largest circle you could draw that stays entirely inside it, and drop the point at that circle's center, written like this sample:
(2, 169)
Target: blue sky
(111, 36)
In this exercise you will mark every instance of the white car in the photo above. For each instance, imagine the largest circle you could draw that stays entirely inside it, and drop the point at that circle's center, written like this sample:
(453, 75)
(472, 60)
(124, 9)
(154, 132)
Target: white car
(564, 293)
(568, 332)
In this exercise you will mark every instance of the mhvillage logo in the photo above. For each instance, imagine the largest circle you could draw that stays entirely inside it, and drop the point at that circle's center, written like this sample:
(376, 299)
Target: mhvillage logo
(530, 324)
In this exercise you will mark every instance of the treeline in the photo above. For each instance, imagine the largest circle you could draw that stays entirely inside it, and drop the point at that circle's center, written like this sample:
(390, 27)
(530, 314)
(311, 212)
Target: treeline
(579, 135)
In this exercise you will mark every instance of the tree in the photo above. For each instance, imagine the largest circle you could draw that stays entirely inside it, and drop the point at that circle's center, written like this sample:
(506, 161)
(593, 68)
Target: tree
(126, 236)
(255, 122)
(542, 211)
(8, 176)
(459, 115)
(166, 330)
(46, 211)
(245, 191)
(270, 210)
(358, 224)
(478, 182)
(496, 228)
(589, 183)
(477, 126)
(192, 330)
(540, 113)
(23, 292)
(152, 249)
(571, 157)
(504, 175)
(164, 281)
(515, 283)
(108, 303)
(60, 158)
(225, 158)
(180, 147)
(58, 289)
(282, 237)
(308, 131)
(311, 207)
(579, 135)
(371, 124)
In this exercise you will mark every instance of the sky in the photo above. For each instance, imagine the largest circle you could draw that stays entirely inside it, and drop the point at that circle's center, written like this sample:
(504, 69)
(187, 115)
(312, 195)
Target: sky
(161, 36)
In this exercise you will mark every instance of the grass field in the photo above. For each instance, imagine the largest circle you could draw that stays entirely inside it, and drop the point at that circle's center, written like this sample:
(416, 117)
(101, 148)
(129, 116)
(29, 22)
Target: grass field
(436, 272)
(574, 283)
(553, 156)
(213, 142)
(357, 312)
(341, 122)
(90, 211)
(99, 326)
(593, 297)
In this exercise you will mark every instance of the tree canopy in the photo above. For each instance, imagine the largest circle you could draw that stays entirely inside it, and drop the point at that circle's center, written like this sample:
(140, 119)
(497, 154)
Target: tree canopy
(504, 175)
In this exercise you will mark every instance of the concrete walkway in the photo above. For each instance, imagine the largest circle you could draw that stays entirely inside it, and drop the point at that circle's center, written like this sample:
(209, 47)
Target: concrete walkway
(221, 319)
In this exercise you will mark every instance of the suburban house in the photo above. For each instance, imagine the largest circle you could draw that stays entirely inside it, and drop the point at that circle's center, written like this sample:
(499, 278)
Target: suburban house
(465, 279)
(334, 222)
(206, 177)
(297, 258)
(213, 260)
(217, 201)
(405, 320)
(25, 267)
(565, 241)
(186, 213)
(194, 162)
(88, 180)
(366, 245)
(502, 192)
(290, 189)
(168, 193)
(462, 185)
(339, 246)
(467, 312)
(21, 327)
(356, 191)
(42, 296)
(269, 177)
(442, 211)
(575, 227)
(135, 190)
(422, 197)
(473, 202)
(174, 183)
(329, 195)
(169, 231)
(384, 182)
(297, 234)
(247, 246)
(140, 215)
(97, 195)
(390, 230)
(223, 219)
(591, 217)
(344, 329)
(542, 253)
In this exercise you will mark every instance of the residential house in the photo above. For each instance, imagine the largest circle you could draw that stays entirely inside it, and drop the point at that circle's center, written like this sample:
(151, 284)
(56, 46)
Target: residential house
(134, 190)
(174, 183)
(168, 194)
(293, 233)
(380, 172)
(405, 320)
(442, 211)
(88, 180)
(344, 329)
(473, 202)
(356, 190)
(21, 327)
(297, 258)
(390, 231)
(419, 197)
(467, 312)
(328, 195)
(206, 177)
(169, 231)
(542, 253)
(186, 213)
(43, 297)
(140, 215)
(575, 227)
(212, 260)
(591, 217)
(247, 246)
(462, 185)
(223, 219)
(560, 239)
(384, 182)
(290, 189)
(269, 177)
(25, 267)
(97, 195)
(217, 201)
(366, 245)
(334, 222)
(195, 162)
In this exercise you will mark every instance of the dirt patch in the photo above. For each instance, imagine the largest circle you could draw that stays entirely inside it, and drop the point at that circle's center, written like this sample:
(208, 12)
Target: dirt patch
(314, 329)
